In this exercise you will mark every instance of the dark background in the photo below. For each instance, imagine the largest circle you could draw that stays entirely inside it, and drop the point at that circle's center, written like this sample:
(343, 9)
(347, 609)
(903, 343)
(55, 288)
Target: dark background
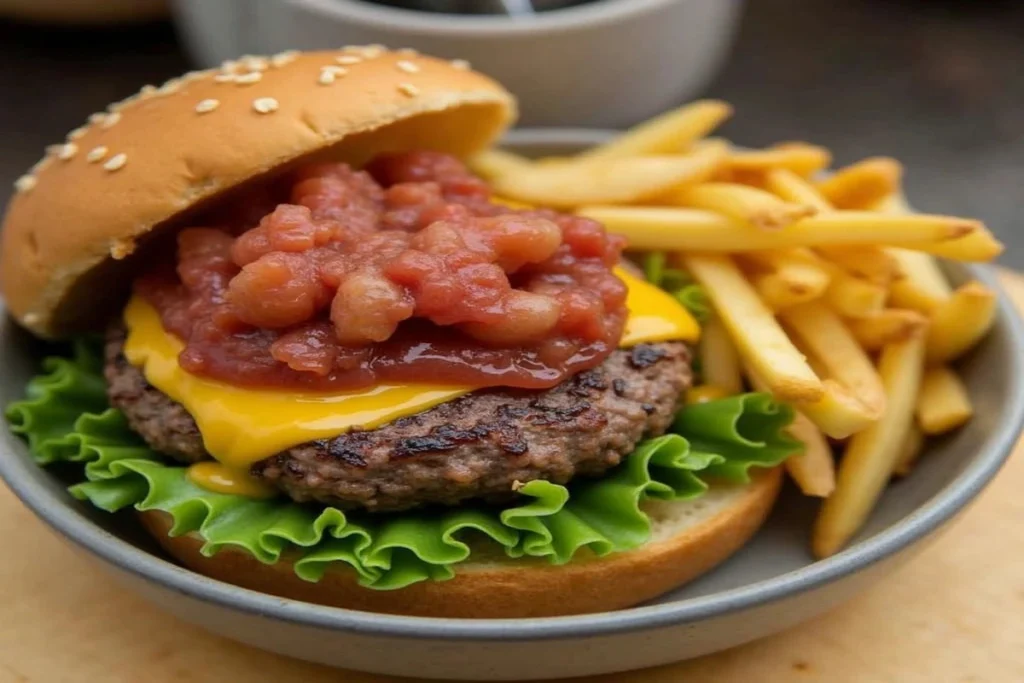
(936, 84)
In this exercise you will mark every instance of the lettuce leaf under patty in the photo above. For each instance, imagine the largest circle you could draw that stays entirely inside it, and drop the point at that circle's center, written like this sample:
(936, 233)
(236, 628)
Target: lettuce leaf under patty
(66, 418)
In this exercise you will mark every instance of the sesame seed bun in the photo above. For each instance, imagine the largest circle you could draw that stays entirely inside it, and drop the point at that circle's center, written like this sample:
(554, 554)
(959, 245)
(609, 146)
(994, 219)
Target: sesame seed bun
(688, 539)
(149, 160)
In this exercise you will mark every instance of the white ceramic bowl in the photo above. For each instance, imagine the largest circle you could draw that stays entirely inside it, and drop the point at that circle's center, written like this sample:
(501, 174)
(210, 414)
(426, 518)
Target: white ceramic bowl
(770, 585)
(607, 63)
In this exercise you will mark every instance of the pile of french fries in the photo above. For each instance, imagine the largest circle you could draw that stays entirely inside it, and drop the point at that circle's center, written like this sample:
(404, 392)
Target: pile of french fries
(825, 287)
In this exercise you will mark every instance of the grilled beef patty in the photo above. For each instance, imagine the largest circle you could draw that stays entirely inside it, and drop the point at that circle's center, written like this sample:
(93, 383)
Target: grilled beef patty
(474, 447)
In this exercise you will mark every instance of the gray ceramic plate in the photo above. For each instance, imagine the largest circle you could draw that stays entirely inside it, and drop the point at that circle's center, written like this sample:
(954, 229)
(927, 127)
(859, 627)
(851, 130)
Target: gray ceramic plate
(770, 585)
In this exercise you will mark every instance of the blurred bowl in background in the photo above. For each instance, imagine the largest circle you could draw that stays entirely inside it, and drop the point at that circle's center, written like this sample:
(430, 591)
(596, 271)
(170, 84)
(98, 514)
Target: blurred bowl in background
(93, 12)
(603, 63)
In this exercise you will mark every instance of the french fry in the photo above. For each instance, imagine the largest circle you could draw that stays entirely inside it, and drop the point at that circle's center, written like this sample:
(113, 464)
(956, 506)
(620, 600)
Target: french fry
(871, 455)
(791, 187)
(887, 326)
(852, 297)
(614, 181)
(838, 413)
(672, 132)
(922, 287)
(942, 404)
(760, 209)
(910, 451)
(719, 361)
(863, 184)
(822, 334)
(977, 246)
(699, 230)
(813, 471)
(785, 277)
(866, 262)
(961, 322)
(799, 157)
(492, 163)
(792, 286)
(754, 330)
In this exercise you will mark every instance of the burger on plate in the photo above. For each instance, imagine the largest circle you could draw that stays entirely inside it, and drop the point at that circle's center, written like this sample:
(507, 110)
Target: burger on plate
(335, 367)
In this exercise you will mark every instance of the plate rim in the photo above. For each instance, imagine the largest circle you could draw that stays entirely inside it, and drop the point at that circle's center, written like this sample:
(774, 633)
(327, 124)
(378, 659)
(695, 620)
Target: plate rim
(18, 472)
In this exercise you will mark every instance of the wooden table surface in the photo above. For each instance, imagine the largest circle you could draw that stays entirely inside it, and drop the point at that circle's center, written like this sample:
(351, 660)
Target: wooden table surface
(955, 613)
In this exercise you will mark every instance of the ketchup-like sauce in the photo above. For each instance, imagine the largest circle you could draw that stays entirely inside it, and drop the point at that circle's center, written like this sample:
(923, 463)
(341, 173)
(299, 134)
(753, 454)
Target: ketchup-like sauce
(405, 272)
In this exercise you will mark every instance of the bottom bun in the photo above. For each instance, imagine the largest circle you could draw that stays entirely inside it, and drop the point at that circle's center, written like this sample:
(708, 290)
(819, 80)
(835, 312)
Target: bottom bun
(688, 538)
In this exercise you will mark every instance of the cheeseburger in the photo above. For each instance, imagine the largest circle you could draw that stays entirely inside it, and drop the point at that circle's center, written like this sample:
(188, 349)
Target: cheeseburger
(336, 367)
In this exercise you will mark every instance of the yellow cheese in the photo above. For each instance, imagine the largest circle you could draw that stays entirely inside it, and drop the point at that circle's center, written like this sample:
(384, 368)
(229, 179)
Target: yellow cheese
(241, 426)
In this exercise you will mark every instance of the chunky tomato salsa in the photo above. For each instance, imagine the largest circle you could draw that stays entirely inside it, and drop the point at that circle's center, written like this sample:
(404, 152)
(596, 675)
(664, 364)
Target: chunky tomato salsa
(404, 272)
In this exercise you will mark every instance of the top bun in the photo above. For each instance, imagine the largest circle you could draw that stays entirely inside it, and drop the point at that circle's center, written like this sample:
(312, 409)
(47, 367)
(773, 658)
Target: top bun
(154, 156)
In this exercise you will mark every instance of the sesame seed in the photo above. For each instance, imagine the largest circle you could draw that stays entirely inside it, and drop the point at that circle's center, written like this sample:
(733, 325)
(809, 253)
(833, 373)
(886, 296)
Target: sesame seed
(373, 51)
(326, 78)
(193, 75)
(408, 89)
(348, 59)
(66, 152)
(265, 105)
(228, 65)
(111, 119)
(39, 165)
(96, 153)
(53, 149)
(249, 78)
(336, 70)
(169, 87)
(147, 91)
(460, 64)
(76, 133)
(122, 248)
(407, 51)
(97, 117)
(256, 63)
(116, 162)
(224, 78)
(32, 318)
(407, 66)
(282, 58)
(206, 106)
(25, 183)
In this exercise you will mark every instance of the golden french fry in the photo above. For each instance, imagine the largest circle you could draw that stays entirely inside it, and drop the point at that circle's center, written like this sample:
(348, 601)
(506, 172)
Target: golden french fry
(961, 322)
(777, 259)
(699, 230)
(910, 451)
(668, 133)
(887, 326)
(866, 262)
(978, 245)
(791, 187)
(753, 328)
(942, 404)
(492, 163)
(822, 334)
(719, 360)
(922, 286)
(863, 184)
(814, 470)
(760, 209)
(799, 157)
(871, 455)
(614, 181)
(838, 413)
(792, 286)
(852, 297)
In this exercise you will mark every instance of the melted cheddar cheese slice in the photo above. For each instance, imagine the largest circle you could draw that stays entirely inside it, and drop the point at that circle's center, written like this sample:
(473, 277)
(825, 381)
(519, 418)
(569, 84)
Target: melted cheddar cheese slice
(241, 426)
